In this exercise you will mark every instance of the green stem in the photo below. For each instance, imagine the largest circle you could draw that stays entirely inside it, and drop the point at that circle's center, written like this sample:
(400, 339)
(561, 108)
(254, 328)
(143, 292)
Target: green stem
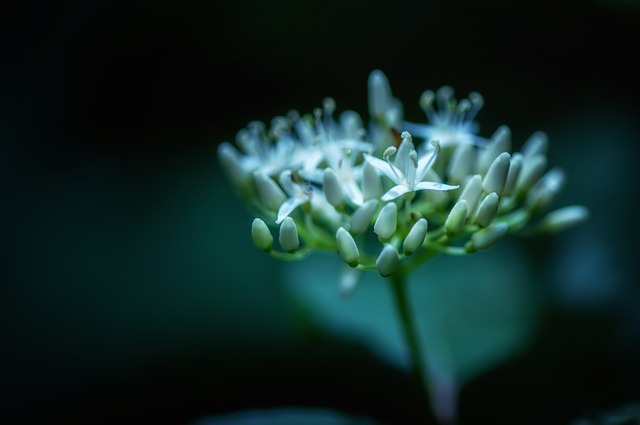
(398, 282)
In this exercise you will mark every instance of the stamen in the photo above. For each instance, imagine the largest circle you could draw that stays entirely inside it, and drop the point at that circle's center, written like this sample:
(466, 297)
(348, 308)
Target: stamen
(293, 115)
(413, 156)
(436, 144)
(317, 115)
(476, 100)
(391, 150)
(329, 105)
(406, 136)
(426, 100)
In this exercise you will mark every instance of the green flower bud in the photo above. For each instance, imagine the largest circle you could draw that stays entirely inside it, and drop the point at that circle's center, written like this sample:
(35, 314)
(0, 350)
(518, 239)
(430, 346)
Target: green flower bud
(371, 184)
(387, 262)
(455, 221)
(261, 235)
(543, 193)
(380, 97)
(231, 164)
(347, 247)
(472, 192)
(386, 222)
(332, 187)
(536, 144)
(514, 171)
(461, 163)
(416, 236)
(361, 218)
(289, 235)
(564, 218)
(487, 210)
(532, 168)
(496, 177)
(486, 238)
(269, 192)
(500, 142)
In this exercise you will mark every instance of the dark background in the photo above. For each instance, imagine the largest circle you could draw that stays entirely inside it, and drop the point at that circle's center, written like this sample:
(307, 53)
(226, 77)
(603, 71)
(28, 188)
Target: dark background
(130, 289)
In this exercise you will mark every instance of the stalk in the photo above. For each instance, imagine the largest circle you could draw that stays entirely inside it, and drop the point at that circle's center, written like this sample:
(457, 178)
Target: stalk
(398, 283)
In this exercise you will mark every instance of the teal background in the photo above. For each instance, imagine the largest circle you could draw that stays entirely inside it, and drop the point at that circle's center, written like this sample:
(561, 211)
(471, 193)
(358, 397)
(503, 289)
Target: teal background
(130, 291)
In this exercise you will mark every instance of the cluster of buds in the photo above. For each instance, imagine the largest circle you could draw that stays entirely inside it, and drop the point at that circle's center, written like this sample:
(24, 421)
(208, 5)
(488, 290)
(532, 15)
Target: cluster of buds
(381, 199)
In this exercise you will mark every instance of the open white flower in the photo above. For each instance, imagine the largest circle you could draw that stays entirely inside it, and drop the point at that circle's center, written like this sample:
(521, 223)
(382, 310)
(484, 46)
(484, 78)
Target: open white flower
(408, 170)
(269, 154)
(452, 123)
(298, 194)
(340, 145)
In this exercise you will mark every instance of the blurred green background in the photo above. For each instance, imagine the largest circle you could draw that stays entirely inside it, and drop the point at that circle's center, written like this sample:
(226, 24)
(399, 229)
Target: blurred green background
(131, 291)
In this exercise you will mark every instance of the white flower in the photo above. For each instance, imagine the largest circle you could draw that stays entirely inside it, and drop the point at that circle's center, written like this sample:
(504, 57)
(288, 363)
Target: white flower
(340, 147)
(452, 123)
(269, 154)
(408, 171)
(298, 194)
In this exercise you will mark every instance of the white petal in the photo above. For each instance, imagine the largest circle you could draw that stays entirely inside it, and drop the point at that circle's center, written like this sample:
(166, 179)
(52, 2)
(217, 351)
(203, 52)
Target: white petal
(395, 192)
(288, 207)
(352, 190)
(402, 159)
(386, 168)
(434, 186)
(425, 163)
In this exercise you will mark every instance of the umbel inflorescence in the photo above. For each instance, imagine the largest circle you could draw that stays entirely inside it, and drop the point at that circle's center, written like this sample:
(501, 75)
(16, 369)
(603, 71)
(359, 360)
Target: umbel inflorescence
(391, 194)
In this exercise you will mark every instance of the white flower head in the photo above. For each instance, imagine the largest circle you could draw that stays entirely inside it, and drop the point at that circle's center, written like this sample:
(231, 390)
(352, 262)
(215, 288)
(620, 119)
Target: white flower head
(452, 121)
(408, 170)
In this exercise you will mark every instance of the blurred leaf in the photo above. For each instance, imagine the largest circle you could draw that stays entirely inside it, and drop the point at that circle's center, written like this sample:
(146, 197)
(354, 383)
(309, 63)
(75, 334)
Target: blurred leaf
(285, 416)
(471, 312)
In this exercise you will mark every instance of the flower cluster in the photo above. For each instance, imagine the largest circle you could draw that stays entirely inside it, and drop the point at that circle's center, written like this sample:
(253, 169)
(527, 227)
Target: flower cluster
(383, 200)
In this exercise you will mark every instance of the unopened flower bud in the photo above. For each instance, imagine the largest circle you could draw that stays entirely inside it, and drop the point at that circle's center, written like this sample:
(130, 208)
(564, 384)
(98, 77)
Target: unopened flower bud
(361, 218)
(289, 235)
(496, 177)
(269, 192)
(347, 247)
(543, 193)
(458, 215)
(379, 94)
(500, 142)
(536, 144)
(532, 168)
(461, 163)
(487, 237)
(261, 235)
(487, 210)
(230, 160)
(386, 222)
(564, 218)
(371, 184)
(472, 192)
(514, 172)
(352, 124)
(332, 188)
(416, 236)
(387, 262)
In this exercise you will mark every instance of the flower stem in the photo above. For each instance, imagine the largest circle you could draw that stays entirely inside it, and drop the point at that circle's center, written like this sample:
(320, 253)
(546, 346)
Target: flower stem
(398, 283)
